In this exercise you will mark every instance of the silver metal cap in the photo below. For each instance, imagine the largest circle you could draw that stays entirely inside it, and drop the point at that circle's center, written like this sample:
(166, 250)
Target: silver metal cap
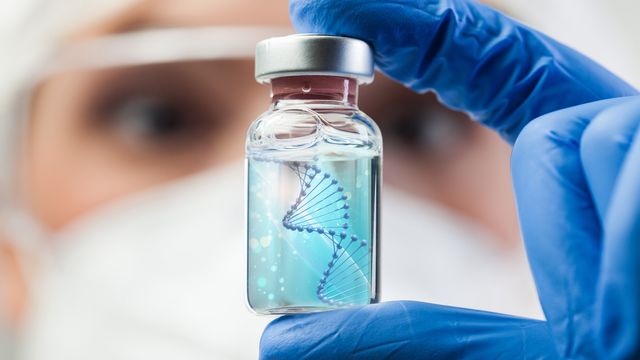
(313, 54)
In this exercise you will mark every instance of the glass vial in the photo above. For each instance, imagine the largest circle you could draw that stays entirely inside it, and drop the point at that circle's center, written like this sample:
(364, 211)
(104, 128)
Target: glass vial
(313, 179)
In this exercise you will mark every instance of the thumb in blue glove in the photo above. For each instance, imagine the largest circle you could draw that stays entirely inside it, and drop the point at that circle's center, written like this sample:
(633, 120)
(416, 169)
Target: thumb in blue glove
(405, 330)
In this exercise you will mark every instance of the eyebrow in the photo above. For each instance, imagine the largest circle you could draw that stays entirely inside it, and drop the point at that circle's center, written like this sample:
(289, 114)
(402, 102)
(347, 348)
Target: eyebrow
(132, 18)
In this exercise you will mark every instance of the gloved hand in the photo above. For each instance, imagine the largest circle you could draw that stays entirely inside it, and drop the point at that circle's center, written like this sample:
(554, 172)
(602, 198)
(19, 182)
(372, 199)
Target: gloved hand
(576, 175)
(577, 181)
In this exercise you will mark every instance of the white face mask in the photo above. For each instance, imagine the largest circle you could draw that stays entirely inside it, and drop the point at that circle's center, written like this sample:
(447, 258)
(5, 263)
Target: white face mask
(430, 254)
(161, 274)
(156, 276)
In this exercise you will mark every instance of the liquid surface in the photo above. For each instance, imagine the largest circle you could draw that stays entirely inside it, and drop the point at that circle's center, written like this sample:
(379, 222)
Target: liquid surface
(311, 233)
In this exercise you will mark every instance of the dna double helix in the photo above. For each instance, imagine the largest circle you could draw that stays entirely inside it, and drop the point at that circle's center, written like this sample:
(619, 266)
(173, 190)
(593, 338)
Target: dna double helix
(321, 208)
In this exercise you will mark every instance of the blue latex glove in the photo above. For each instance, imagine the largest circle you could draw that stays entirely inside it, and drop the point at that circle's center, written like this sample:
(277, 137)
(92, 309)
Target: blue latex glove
(575, 173)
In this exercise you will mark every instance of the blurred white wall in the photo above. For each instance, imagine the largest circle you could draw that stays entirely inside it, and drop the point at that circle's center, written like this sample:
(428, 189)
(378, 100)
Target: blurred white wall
(606, 31)
(11, 11)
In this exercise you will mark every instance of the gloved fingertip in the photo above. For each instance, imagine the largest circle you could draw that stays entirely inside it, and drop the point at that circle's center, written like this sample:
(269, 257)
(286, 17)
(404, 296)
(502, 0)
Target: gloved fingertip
(604, 146)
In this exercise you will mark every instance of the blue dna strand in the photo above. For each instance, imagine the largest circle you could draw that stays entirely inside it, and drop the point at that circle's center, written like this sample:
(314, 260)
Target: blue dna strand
(322, 208)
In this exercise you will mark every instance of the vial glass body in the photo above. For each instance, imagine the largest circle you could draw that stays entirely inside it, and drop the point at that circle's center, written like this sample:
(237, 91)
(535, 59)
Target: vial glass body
(313, 180)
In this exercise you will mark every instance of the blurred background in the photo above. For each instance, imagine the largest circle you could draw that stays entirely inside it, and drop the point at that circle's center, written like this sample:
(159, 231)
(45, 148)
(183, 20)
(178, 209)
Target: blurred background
(122, 127)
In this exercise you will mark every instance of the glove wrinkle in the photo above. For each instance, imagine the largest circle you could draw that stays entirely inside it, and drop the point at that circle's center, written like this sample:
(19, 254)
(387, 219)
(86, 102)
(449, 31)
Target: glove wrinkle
(383, 350)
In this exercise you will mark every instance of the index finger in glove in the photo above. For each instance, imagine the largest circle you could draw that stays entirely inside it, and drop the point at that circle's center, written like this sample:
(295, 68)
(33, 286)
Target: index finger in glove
(476, 59)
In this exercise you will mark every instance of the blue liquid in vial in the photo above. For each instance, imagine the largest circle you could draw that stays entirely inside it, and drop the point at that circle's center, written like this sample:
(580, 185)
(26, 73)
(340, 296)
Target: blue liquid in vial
(311, 233)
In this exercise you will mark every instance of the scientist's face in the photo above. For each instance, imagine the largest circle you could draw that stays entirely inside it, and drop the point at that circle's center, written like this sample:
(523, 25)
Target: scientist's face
(96, 136)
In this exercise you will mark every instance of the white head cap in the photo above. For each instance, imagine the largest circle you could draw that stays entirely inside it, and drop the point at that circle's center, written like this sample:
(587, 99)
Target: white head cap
(31, 31)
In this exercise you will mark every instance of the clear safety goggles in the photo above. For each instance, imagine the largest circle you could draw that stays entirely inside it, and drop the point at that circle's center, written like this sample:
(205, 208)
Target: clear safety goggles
(117, 84)
(153, 96)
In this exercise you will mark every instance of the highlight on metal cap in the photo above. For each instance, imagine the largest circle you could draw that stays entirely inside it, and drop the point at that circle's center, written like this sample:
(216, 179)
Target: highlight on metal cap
(313, 54)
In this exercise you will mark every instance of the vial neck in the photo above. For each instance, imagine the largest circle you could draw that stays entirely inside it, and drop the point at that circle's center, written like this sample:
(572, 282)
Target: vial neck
(314, 88)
